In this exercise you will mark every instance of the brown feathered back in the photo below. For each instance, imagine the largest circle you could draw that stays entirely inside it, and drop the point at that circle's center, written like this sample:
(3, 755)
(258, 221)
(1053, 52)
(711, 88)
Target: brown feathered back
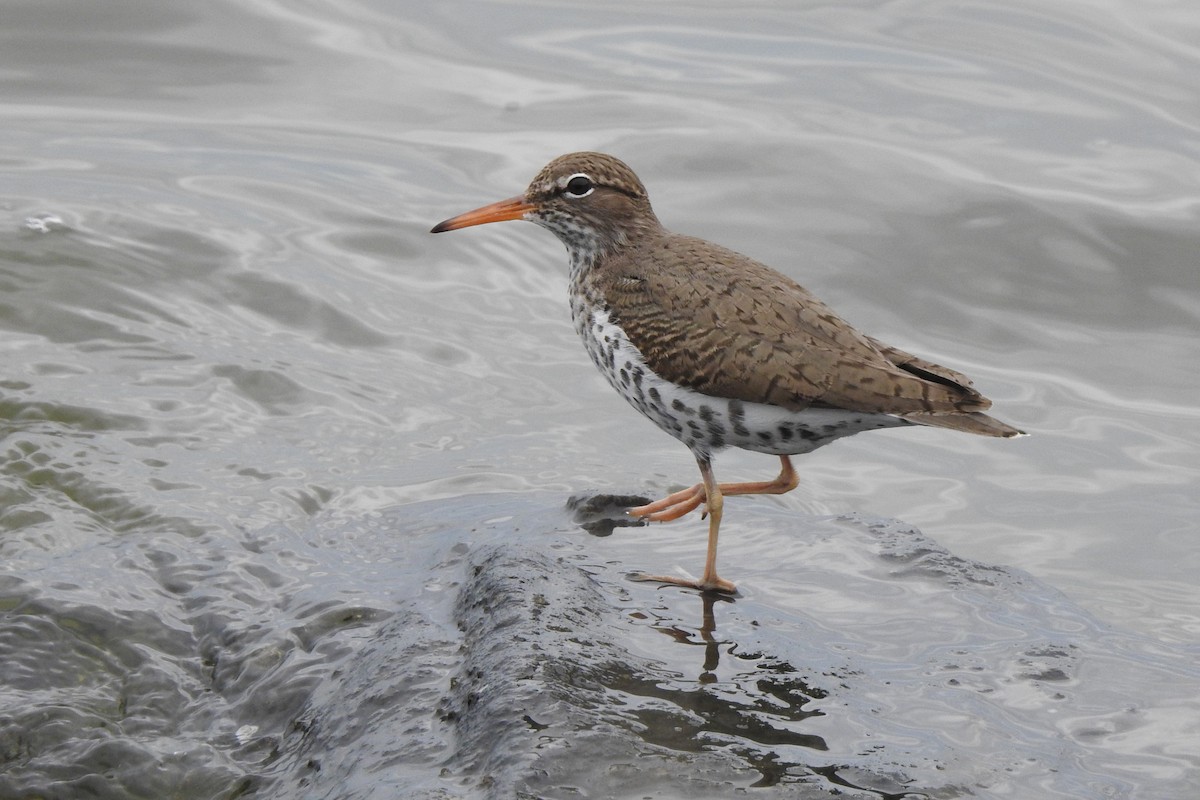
(725, 325)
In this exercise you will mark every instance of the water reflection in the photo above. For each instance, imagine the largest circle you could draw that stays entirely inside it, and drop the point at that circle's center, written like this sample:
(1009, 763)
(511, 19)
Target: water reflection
(760, 705)
(708, 625)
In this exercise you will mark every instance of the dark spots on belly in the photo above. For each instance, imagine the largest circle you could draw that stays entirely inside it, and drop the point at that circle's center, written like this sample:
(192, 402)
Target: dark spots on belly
(737, 418)
(624, 377)
(682, 407)
(654, 395)
(713, 428)
(786, 433)
(765, 437)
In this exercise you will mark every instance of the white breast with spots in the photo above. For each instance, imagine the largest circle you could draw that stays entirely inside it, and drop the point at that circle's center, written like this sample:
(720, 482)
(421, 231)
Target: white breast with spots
(704, 423)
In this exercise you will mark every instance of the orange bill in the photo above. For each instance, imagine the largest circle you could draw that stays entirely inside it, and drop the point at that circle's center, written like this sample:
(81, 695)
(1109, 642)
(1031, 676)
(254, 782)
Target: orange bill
(512, 208)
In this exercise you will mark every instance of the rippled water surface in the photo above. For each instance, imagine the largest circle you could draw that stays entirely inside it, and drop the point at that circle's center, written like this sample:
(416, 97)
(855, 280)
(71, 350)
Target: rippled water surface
(297, 500)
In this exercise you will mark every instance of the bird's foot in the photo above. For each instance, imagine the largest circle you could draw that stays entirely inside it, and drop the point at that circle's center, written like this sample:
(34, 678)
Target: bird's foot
(673, 506)
(713, 583)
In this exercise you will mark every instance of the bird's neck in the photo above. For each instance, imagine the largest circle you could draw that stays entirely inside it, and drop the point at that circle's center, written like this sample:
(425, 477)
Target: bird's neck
(587, 246)
(583, 254)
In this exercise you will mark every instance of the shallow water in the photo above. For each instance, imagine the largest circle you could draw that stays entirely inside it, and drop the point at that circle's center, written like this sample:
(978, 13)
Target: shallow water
(279, 468)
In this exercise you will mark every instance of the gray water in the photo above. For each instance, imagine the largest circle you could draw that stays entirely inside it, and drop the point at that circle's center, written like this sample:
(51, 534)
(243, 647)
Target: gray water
(297, 500)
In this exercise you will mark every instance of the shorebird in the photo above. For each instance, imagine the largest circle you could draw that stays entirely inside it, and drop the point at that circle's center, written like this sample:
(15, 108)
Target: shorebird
(717, 349)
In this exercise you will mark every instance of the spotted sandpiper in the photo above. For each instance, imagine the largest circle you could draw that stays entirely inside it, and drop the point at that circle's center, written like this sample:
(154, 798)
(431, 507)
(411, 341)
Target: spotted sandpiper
(717, 349)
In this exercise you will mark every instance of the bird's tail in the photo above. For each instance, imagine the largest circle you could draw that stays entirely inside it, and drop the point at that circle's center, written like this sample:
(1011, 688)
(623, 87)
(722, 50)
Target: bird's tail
(976, 422)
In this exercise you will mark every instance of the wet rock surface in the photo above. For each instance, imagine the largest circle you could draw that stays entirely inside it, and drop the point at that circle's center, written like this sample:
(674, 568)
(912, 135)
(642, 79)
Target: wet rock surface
(537, 672)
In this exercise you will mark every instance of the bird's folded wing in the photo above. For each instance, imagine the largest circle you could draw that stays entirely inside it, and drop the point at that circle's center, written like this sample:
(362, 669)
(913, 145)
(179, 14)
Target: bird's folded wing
(724, 325)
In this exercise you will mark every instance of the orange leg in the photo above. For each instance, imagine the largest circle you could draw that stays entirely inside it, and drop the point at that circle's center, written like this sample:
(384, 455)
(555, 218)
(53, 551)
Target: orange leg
(710, 581)
(676, 505)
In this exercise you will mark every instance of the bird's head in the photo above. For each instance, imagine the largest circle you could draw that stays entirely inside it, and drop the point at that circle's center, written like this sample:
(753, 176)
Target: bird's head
(591, 201)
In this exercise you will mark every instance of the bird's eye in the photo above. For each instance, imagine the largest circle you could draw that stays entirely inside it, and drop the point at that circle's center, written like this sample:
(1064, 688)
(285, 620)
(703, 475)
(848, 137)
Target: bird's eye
(580, 186)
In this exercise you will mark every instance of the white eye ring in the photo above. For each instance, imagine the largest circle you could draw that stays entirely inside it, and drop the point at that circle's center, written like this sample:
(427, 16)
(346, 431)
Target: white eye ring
(583, 185)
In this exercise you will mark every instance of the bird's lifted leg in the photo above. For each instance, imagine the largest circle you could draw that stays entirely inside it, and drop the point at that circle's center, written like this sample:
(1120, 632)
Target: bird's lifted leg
(676, 505)
(710, 581)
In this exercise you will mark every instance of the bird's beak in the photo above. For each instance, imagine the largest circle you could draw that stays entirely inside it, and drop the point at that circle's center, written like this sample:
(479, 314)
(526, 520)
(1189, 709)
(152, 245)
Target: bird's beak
(512, 208)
